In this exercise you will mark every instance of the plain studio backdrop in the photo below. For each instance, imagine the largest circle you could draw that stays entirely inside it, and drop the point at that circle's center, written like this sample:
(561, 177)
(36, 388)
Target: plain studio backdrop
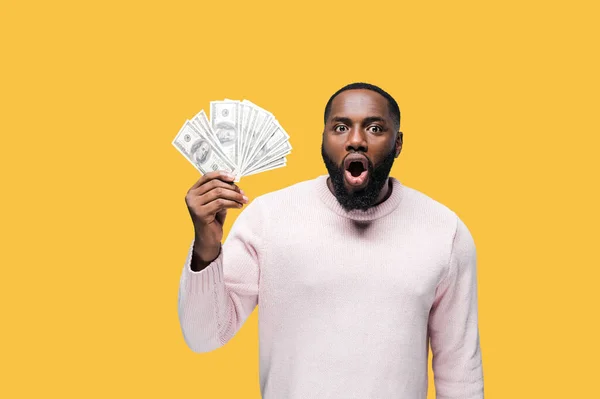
(499, 112)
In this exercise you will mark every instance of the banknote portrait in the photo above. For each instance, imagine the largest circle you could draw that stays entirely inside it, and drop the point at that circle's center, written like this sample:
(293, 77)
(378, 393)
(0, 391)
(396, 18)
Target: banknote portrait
(226, 133)
(200, 151)
(262, 151)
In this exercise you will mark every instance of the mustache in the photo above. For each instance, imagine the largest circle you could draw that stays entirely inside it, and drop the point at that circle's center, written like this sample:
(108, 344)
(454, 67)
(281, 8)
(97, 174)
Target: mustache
(366, 197)
(369, 162)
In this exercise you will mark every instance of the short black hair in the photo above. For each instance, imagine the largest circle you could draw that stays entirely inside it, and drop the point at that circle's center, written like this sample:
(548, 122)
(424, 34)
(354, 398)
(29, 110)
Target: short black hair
(392, 104)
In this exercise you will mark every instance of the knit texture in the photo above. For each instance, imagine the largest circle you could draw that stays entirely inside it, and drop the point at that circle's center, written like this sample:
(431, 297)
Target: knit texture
(347, 301)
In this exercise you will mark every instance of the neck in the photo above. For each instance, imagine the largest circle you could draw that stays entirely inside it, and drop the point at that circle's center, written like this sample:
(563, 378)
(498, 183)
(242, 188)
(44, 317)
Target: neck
(385, 192)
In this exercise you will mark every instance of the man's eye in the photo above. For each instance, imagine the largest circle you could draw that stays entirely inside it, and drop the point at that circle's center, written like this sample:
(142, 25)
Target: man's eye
(340, 128)
(375, 129)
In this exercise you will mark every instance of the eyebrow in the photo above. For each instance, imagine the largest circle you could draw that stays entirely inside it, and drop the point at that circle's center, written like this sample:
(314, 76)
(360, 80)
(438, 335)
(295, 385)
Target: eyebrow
(365, 121)
(370, 119)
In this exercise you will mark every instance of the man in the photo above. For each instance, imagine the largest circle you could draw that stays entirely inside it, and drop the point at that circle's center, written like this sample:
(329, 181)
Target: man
(354, 273)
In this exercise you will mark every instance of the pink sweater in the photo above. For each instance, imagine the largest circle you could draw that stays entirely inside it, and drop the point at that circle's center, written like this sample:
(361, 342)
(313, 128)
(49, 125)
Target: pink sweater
(347, 301)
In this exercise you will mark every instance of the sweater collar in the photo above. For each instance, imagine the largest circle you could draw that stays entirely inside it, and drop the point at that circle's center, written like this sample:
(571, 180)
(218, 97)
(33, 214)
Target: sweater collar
(375, 212)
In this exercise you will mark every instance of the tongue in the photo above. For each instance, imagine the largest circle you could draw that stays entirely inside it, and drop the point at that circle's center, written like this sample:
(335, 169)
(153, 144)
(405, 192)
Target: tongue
(356, 180)
(356, 169)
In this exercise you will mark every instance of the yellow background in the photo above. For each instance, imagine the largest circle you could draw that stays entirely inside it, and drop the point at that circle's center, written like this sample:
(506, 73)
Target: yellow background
(499, 106)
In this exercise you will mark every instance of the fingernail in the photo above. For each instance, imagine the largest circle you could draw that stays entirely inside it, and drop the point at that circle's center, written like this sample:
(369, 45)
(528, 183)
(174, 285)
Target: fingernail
(245, 198)
(242, 191)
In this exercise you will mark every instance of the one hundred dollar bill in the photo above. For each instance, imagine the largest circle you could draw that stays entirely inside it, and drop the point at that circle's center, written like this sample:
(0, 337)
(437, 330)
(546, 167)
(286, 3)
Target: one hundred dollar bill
(226, 121)
(260, 120)
(201, 123)
(280, 163)
(259, 142)
(281, 151)
(197, 148)
(247, 115)
(269, 147)
(268, 166)
(241, 138)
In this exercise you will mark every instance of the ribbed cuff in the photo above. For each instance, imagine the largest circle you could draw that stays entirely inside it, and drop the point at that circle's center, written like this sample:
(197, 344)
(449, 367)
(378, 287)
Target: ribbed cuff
(201, 282)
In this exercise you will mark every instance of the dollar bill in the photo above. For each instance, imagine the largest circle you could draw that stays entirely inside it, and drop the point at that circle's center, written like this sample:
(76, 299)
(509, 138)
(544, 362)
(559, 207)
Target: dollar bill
(260, 120)
(201, 123)
(226, 121)
(248, 119)
(198, 150)
(247, 115)
(269, 146)
(259, 142)
(278, 163)
(283, 150)
(240, 137)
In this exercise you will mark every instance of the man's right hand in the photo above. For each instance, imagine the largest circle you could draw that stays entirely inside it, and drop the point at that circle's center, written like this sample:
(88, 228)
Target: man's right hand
(207, 201)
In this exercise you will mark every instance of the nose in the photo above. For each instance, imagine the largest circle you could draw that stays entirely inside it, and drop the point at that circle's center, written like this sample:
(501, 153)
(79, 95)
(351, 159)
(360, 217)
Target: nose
(356, 141)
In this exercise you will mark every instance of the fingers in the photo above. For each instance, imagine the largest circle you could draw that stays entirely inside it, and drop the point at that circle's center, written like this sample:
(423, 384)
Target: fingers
(217, 174)
(220, 192)
(219, 204)
(213, 194)
(213, 184)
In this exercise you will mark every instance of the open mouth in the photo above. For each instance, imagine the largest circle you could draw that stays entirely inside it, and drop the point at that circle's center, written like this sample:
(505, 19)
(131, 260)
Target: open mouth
(356, 168)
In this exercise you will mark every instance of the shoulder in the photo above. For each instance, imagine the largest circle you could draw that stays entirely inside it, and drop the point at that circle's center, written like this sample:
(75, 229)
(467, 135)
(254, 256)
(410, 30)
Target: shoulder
(427, 208)
(434, 214)
(292, 194)
(440, 224)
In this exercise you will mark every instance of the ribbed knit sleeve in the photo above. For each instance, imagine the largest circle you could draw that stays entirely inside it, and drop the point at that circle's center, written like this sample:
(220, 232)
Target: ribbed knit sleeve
(453, 324)
(215, 302)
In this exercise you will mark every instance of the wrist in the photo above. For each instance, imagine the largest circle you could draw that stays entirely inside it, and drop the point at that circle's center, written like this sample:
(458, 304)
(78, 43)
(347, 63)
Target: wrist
(206, 254)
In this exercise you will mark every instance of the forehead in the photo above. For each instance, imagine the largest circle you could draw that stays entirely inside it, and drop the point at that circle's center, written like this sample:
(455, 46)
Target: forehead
(359, 103)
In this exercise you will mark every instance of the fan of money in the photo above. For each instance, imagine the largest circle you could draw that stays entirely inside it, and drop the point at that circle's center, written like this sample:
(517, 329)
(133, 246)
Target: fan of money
(241, 138)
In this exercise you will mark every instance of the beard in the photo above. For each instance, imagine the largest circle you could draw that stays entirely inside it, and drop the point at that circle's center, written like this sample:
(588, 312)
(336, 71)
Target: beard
(366, 197)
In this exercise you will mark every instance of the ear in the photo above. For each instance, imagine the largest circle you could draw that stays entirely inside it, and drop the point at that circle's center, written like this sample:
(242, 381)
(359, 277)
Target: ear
(399, 141)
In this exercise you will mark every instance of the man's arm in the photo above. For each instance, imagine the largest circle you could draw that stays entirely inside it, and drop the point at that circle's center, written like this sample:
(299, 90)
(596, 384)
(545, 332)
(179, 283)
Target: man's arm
(453, 324)
(215, 301)
(196, 264)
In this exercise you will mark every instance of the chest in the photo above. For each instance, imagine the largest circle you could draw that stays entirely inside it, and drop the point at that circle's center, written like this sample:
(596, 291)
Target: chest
(354, 263)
